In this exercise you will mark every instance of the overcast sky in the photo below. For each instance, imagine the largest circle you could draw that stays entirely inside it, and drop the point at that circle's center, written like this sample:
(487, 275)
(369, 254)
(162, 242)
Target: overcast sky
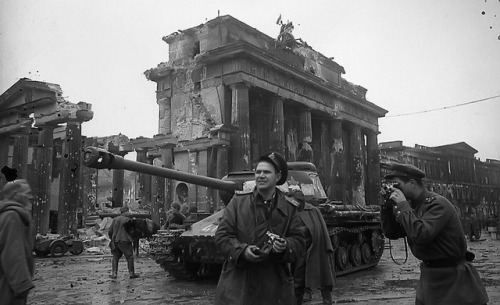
(412, 56)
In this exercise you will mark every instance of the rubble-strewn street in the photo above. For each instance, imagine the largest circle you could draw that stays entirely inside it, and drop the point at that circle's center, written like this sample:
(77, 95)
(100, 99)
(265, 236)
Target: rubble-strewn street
(85, 279)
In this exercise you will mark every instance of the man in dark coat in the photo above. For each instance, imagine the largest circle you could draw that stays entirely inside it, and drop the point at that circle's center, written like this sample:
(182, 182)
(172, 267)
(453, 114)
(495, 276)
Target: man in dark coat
(435, 236)
(121, 244)
(316, 268)
(16, 243)
(175, 219)
(260, 234)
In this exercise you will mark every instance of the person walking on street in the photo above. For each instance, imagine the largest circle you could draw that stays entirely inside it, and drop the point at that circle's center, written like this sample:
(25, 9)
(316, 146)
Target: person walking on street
(16, 243)
(121, 244)
(316, 268)
(435, 236)
(260, 234)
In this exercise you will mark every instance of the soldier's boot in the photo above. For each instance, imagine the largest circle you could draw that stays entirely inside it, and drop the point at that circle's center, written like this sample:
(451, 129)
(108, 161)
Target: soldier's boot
(299, 295)
(307, 295)
(114, 268)
(131, 270)
(326, 294)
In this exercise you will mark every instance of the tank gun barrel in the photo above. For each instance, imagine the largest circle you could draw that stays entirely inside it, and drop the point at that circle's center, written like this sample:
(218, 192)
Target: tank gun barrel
(102, 159)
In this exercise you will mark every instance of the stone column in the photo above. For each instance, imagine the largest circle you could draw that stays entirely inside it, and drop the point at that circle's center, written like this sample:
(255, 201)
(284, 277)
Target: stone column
(337, 165)
(5, 143)
(90, 179)
(322, 156)
(167, 157)
(118, 180)
(158, 191)
(277, 135)
(69, 199)
(20, 154)
(143, 187)
(305, 136)
(373, 154)
(240, 117)
(222, 168)
(357, 166)
(305, 126)
(43, 166)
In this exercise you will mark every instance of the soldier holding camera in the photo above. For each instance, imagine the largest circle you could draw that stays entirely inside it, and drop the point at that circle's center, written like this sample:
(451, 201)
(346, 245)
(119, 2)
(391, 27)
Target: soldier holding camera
(260, 234)
(435, 236)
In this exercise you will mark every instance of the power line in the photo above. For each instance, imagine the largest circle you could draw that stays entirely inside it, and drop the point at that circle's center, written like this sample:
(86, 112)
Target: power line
(443, 108)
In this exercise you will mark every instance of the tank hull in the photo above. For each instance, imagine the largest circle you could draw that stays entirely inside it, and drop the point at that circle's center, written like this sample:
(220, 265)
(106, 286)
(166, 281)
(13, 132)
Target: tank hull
(192, 255)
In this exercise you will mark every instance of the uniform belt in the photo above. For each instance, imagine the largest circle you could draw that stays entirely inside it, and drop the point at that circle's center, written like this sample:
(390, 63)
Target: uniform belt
(444, 262)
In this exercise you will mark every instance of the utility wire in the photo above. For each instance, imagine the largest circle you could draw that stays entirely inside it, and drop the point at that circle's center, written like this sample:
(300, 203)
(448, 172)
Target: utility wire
(443, 108)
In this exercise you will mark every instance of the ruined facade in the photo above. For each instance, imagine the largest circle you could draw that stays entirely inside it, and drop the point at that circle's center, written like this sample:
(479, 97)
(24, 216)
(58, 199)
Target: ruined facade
(453, 171)
(230, 93)
(40, 136)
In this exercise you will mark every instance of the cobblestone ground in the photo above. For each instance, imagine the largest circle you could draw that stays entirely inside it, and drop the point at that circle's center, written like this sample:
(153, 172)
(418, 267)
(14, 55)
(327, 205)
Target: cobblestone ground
(85, 279)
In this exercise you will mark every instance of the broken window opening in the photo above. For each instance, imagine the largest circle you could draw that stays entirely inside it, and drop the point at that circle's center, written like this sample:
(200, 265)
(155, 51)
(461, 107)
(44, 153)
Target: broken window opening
(196, 49)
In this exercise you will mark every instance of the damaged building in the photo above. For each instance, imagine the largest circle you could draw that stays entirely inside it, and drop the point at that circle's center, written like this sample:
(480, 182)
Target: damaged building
(453, 171)
(41, 138)
(229, 93)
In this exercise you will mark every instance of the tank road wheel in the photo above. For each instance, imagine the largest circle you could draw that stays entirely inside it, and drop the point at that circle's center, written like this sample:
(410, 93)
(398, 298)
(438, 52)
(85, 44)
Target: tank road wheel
(355, 255)
(359, 237)
(58, 248)
(377, 241)
(335, 240)
(341, 258)
(366, 253)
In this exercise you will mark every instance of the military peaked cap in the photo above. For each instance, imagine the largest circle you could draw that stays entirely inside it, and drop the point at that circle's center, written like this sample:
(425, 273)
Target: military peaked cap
(404, 170)
(279, 164)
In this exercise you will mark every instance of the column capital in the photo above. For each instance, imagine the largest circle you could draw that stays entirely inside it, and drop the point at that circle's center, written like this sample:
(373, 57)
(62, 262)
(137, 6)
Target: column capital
(241, 85)
(165, 140)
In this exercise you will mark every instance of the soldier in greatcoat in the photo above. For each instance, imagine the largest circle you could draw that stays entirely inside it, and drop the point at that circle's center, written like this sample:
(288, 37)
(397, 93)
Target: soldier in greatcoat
(16, 243)
(435, 236)
(316, 268)
(260, 234)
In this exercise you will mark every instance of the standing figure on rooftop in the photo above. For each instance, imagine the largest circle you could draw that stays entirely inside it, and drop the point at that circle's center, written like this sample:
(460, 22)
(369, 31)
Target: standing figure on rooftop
(16, 243)
(435, 236)
(121, 244)
(260, 234)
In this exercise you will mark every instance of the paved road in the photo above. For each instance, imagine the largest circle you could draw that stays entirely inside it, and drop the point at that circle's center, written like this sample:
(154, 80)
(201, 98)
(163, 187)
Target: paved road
(85, 279)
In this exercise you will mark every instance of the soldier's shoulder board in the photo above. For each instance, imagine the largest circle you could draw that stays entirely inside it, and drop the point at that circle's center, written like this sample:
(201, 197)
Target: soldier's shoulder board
(292, 201)
(430, 199)
(243, 192)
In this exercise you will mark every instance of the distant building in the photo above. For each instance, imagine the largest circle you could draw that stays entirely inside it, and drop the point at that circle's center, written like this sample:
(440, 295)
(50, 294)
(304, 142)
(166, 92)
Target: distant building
(453, 171)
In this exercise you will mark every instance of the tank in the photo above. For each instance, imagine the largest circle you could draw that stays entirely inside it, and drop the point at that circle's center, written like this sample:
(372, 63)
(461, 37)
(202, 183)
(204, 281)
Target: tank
(191, 254)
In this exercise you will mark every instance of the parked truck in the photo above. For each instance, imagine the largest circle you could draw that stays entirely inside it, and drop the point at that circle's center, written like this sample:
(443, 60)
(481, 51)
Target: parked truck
(190, 254)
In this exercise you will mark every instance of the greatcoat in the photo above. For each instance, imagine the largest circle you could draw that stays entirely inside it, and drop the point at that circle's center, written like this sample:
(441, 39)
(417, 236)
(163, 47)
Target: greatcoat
(436, 237)
(245, 222)
(16, 252)
(319, 267)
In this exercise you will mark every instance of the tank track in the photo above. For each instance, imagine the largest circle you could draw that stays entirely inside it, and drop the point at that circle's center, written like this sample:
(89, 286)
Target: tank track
(356, 248)
(175, 255)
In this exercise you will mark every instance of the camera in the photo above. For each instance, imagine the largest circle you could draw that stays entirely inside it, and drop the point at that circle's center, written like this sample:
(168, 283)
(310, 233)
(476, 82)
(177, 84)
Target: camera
(264, 250)
(387, 189)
